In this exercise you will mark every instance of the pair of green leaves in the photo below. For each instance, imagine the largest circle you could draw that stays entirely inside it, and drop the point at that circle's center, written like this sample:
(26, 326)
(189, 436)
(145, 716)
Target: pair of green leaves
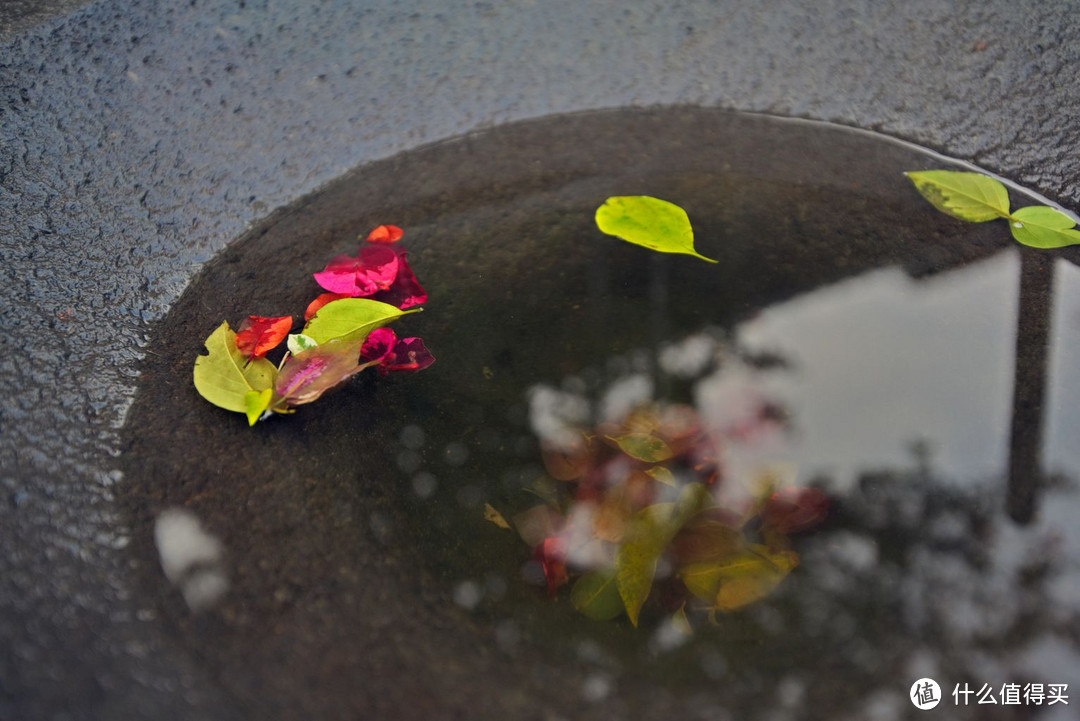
(977, 198)
(229, 380)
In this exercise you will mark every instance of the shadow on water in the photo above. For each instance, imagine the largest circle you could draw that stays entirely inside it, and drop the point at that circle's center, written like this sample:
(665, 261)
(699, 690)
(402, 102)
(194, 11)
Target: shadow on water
(364, 579)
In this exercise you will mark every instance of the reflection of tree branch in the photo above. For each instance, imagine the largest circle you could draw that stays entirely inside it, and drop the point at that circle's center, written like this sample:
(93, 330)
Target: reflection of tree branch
(1029, 389)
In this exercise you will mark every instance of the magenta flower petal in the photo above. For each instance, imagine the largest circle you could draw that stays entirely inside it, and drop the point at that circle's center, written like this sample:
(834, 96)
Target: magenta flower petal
(406, 291)
(377, 345)
(409, 355)
(373, 269)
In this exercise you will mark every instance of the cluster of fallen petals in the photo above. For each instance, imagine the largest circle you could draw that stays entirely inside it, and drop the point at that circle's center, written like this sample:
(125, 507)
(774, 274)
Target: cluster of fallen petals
(635, 515)
(344, 333)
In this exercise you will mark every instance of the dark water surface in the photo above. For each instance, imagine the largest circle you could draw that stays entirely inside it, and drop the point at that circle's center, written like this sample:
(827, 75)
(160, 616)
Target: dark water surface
(364, 581)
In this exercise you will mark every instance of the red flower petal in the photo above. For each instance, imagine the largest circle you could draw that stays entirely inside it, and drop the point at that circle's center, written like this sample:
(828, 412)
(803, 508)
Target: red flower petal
(408, 354)
(374, 269)
(258, 335)
(385, 234)
(552, 557)
(405, 291)
(377, 345)
(320, 301)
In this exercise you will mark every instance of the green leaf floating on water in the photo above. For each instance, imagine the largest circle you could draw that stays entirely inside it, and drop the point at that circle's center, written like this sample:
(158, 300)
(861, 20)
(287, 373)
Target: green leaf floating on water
(596, 595)
(651, 222)
(225, 377)
(650, 532)
(257, 402)
(350, 319)
(968, 196)
(1043, 227)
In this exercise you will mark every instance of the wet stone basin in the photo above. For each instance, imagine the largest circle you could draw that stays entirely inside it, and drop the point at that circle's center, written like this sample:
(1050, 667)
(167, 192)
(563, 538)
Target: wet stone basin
(363, 578)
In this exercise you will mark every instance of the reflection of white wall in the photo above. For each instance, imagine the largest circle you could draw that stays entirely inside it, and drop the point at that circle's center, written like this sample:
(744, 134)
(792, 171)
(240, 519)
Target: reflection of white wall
(1063, 420)
(883, 359)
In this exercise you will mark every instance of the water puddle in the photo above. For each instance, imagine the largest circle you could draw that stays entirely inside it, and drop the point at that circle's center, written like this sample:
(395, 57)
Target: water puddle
(850, 332)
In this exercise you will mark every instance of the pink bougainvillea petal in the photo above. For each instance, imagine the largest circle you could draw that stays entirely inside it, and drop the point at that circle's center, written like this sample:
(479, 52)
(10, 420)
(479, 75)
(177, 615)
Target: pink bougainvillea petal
(372, 270)
(320, 301)
(385, 234)
(409, 355)
(258, 335)
(307, 375)
(405, 292)
(377, 345)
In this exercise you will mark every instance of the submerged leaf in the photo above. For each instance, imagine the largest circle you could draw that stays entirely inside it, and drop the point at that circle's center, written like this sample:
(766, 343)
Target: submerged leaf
(740, 578)
(660, 474)
(968, 196)
(596, 595)
(350, 319)
(490, 514)
(385, 234)
(537, 523)
(705, 538)
(650, 532)
(643, 447)
(651, 222)
(257, 402)
(1042, 227)
(257, 335)
(306, 376)
(224, 377)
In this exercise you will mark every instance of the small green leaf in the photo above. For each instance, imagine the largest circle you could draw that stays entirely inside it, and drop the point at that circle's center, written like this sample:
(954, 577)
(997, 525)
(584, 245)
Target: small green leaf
(596, 595)
(1043, 227)
(257, 402)
(298, 343)
(660, 474)
(651, 530)
(651, 222)
(643, 447)
(968, 196)
(225, 377)
(350, 319)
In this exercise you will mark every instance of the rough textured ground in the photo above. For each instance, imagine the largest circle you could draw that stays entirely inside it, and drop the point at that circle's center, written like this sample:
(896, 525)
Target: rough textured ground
(138, 138)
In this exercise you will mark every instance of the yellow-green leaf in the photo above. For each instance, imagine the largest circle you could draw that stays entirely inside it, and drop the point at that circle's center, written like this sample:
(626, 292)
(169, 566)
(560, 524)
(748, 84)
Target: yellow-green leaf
(747, 576)
(651, 222)
(596, 595)
(1042, 227)
(643, 447)
(702, 579)
(968, 196)
(350, 319)
(225, 377)
(651, 530)
(660, 474)
(256, 403)
(492, 515)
